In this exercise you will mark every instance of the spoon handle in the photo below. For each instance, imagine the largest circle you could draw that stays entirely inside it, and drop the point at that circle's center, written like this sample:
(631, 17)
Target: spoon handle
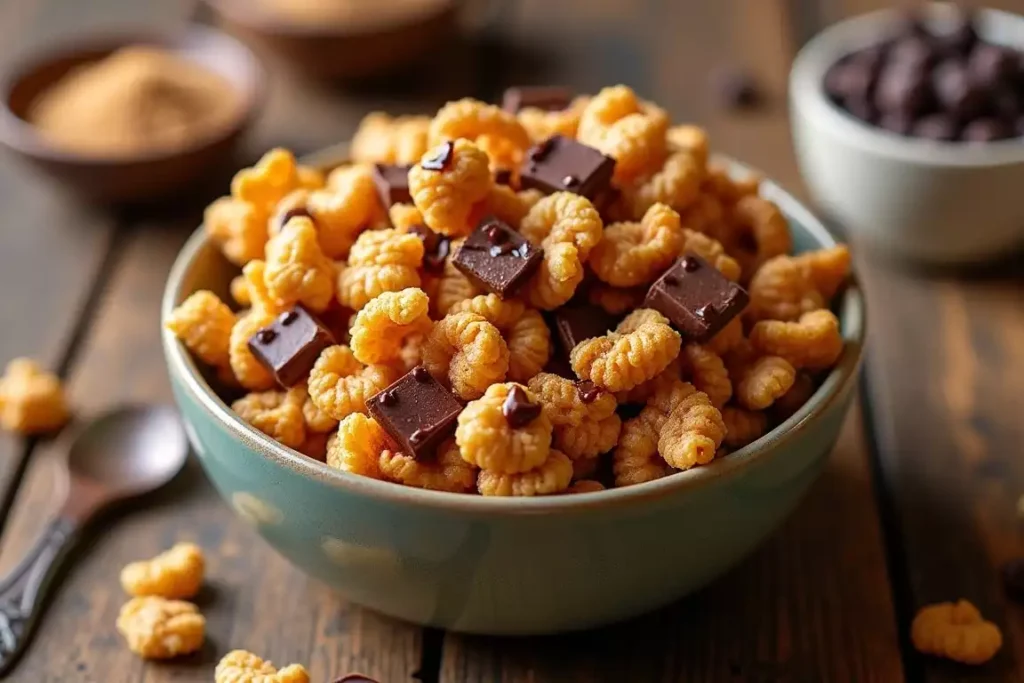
(23, 592)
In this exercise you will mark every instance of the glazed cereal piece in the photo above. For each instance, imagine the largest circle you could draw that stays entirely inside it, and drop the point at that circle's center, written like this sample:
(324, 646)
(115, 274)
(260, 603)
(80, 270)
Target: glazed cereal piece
(297, 271)
(727, 338)
(632, 132)
(633, 254)
(790, 402)
(567, 227)
(347, 206)
(471, 119)
(381, 328)
(238, 228)
(743, 426)
(448, 183)
(676, 184)
(622, 360)
(524, 330)
(467, 353)
(767, 379)
(386, 140)
(31, 401)
(248, 371)
(692, 433)
(955, 631)
(615, 300)
(448, 472)
(707, 372)
(691, 139)
(812, 343)
(380, 261)
(585, 486)
(156, 628)
(494, 438)
(239, 666)
(357, 446)
(278, 414)
(203, 323)
(339, 384)
(174, 574)
(552, 476)
(541, 124)
(583, 417)
(786, 287)
(452, 287)
(712, 251)
(757, 222)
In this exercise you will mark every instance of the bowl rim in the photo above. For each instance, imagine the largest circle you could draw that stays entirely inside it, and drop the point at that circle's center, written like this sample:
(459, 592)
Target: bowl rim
(832, 390)
(21, 136)
(807, 93)
(254, 18)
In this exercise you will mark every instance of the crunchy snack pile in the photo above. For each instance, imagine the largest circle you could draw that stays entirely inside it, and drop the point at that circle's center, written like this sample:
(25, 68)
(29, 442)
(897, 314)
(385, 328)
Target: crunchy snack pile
(558, 295)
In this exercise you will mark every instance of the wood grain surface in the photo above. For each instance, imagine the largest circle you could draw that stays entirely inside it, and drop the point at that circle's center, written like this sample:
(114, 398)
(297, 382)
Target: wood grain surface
(918, 502)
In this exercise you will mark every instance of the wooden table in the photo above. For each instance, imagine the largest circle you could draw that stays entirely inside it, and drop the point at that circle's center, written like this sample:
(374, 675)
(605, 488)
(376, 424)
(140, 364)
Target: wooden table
(918, 502)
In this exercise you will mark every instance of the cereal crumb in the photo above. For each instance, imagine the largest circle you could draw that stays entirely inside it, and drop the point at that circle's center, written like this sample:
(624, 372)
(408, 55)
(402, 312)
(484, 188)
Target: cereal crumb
(174, 574)
(31, 400)
(239, 666)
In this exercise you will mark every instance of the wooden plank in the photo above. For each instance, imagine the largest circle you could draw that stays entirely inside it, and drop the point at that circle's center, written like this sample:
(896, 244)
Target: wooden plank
(814, 603)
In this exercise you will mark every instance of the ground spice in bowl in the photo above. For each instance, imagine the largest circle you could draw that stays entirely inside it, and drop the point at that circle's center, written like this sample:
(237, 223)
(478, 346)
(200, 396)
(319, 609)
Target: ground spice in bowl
(139, 100)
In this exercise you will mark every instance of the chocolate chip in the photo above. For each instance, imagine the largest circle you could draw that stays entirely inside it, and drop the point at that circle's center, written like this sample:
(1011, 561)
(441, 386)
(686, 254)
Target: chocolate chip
(392, 184)
(289, 317)
(495, 235)
(297, 212)
(266, 336)
(417, 412)
(440, 157)
(570, 180)
(690, 265)
(388, 398)
(546, 97)
(587, 390)
(436, 248)
(496, 258)
(518, 409)
(540, 152)
(985, 130)
(1013, 578)
(558, 160)
(290, 346)
(420, 374)
(700, 303)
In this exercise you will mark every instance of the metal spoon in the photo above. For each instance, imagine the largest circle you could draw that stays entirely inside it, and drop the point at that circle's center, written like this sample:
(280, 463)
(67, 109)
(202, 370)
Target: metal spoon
(120, 455)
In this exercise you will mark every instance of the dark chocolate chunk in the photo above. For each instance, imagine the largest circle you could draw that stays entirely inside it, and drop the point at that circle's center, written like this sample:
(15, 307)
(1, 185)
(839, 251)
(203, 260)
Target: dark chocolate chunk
(436, 248)
(417, 412)
(736, 88)
(985, 129)
(698, 301)
(558, 159)
(297, 212)
(587, 390)
(518, 409)
(392, 184)
(440, 157)
(938, 127)
(546, 97)
(956, 92)
(497, 258)
(336, 319)
(575, 323)
(1013, 578)
(290, 345)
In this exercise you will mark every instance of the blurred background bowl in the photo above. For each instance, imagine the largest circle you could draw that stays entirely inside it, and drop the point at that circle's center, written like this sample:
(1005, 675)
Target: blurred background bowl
(139, 177)
(937, 202)
(362, 45)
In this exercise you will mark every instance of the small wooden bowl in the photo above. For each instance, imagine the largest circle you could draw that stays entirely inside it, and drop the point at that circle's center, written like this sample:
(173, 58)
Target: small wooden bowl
(136, 178)
(342, 51)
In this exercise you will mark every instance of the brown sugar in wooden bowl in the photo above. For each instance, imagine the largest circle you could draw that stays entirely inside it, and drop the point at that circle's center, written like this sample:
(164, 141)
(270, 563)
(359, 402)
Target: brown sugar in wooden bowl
(136, 174)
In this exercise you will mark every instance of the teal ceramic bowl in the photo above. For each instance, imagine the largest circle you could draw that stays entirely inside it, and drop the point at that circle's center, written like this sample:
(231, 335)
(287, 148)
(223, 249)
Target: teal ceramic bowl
(510, 566)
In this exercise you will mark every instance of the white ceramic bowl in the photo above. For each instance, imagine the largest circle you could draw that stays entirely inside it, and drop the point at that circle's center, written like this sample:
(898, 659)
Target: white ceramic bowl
(938, 202)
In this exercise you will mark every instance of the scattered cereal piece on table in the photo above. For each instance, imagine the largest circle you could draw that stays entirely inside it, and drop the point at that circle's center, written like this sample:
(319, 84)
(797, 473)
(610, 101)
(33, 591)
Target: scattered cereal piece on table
(239, 666)
(31, 400)
(156, 628)
(174, 574)
(955, 631)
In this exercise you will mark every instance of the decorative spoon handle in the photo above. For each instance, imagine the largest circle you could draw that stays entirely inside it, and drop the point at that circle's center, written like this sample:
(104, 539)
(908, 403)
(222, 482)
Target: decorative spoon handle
(23, 592)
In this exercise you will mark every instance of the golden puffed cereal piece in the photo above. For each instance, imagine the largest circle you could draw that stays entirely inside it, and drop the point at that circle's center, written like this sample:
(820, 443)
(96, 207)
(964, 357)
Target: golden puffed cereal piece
(452, 287)
(692, 433)
(386, 140)
(263, 185)
(743, 426)
(640, 316)
(240, 291)
(676, 184)
(260, 301)
(692, 139)
(632, 254)
(541, 124)
(404, 217)
(615, 300)
(813, 343)
(764, 381)
(632, 132)
(585, 486)
(380, 329)
(467, 353)
(730, 189)
(31, 400)
(447, 198)
(247, 370)
(552, 476)
(706, 215)
(712, 251)
(278, 414)
(347, 206)
(156, 628)
(567, 227)
(502, 154)
(339, 384)
(487, 440)
(955, 631)
(620, 361)
(470, 119)
(786, 287)
(238, 228)
(510, 206)
(758, 231)
(448, 472)
(357, 446)
(643, 392)
(581, 429)
(203, 323)
(310, 178)
(380, 261)
(707, 372)
(317, 421)
(524, 330)
(727, 338)
(174, 574)
(297, 270)
(239, 666)
(790, 402)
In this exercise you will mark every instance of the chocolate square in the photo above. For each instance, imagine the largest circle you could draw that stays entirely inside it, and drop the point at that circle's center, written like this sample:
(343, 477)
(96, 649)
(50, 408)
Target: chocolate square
(290, 345)
(546, 97)
(560, 164)
(496, 258)
(417, 412)
(574, 323)
(436, 248)
(392, 184)
(696, 298)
